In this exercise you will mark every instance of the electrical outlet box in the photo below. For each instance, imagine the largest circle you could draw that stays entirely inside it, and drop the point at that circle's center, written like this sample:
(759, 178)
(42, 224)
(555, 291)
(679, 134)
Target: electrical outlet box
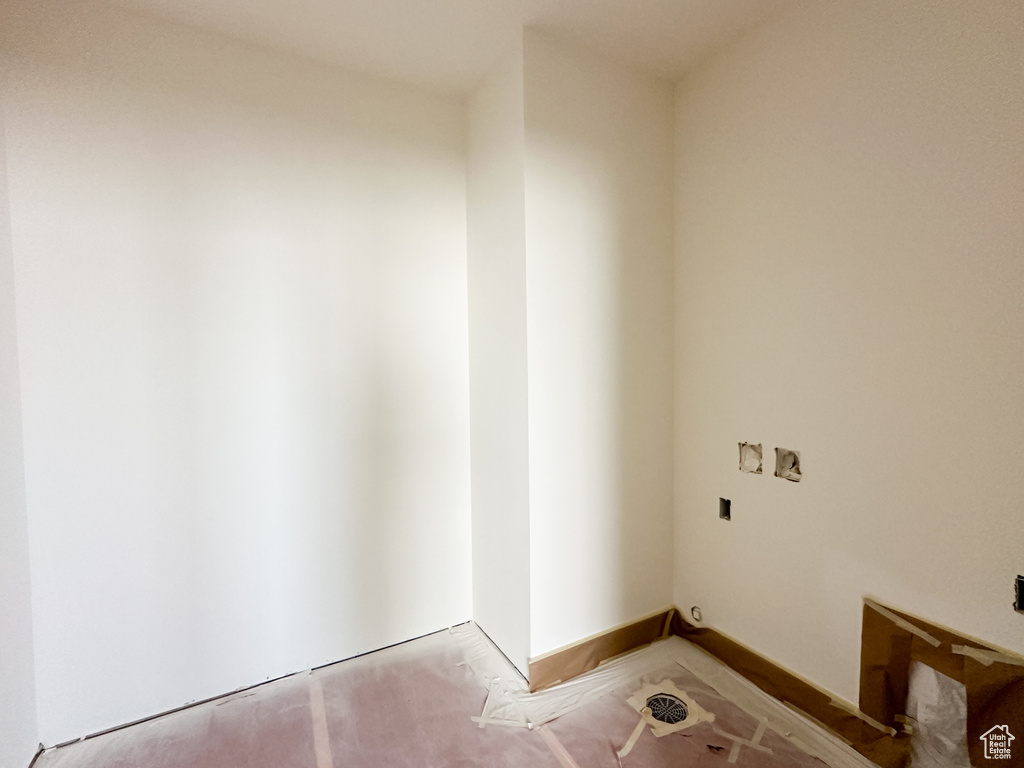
(725, 509)
(1018, 603)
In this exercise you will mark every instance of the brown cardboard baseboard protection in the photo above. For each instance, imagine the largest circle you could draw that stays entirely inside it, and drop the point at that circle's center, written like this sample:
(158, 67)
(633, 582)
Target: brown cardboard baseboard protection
(878, 746)
(566, 663)
(890, 642)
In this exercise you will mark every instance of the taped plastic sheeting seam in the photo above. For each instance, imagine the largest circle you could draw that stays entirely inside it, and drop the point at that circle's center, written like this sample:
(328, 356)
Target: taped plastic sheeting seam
(559, 750)
(901, 622)
(738, 741)
(482, 721)
(789, 722)
(318, 712)
(987, 657)
(866, 718)
(515, 702)
(497, 690)
(797, 711)
(634, 737)
(666, 709)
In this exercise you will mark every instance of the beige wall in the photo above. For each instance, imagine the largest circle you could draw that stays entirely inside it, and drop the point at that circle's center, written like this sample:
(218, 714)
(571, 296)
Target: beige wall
(18, 726)
(241, 313)
(599, 319)
(850, 273)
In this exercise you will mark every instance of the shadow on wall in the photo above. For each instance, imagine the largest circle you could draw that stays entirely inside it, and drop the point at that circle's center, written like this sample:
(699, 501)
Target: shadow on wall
(645, 399)
(241, 283)
(600, 261)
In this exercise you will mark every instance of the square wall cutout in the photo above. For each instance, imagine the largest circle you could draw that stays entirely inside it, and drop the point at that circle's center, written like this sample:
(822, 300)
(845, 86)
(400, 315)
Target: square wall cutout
(750, 458)
(787, 465)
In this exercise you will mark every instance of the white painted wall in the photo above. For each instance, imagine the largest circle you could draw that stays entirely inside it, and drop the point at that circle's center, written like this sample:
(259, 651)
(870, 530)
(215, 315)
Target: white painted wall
(18, 724)
(570, 286)
(243, 331)
(850, 266)
(497, 358)
(599, 183)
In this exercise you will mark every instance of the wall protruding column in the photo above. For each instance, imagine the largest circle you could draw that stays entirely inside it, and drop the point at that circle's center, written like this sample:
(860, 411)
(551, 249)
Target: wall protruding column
(570, 264)
(497, 359)
(599, 239)
(18, 724)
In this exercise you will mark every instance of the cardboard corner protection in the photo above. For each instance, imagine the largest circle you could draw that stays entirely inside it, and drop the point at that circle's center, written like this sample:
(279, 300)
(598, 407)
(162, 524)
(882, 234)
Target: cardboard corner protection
(891, 641)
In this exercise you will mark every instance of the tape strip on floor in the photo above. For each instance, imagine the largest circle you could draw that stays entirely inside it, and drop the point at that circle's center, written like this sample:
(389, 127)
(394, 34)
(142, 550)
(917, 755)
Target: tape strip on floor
(321, 740)
(559, 750)
(850, 709)
(482, 721)
(633, 738)
(738, 741)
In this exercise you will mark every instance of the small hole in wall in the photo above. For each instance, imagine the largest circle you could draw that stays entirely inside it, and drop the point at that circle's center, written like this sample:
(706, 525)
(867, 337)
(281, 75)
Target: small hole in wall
(1018, 604)
(750, 458)
(695, 613)
(725, 509)
(787, 465)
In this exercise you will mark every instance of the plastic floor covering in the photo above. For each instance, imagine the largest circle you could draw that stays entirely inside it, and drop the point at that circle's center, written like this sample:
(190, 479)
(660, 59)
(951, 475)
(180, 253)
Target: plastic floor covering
(451, 699)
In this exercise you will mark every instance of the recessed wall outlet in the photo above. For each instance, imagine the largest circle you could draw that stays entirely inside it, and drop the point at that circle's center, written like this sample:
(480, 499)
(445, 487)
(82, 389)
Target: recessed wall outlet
(725, 509)
(787, 465)
(1018, 603)
(750, 458)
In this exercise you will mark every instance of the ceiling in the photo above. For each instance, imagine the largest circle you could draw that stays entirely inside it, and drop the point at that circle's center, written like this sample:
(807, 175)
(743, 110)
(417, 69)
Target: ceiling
(448, 45)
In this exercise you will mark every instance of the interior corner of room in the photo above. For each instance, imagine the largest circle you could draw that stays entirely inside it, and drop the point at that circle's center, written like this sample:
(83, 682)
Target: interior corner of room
(299, 360)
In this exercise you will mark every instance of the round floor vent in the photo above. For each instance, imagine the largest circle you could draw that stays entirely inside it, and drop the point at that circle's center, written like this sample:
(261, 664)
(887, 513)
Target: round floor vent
(666, 708)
